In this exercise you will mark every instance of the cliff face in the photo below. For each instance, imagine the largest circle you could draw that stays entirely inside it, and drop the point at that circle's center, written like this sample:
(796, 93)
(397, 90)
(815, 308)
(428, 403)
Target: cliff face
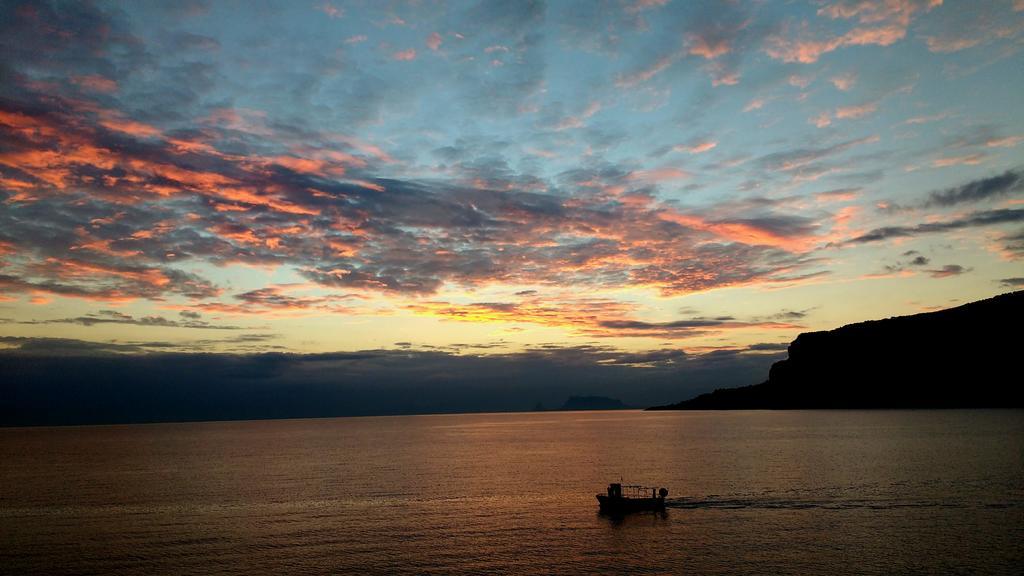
(968, 356)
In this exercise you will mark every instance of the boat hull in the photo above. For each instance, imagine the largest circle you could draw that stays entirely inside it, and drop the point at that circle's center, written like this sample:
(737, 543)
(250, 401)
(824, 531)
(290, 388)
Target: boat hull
(613, 504)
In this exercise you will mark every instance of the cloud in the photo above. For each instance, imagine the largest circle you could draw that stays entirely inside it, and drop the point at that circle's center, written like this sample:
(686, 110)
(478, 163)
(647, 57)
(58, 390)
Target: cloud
(591, 317)
(980, 190)
(641, 5)
(1013, 245)
(577, 121)
(405, 55)
(946, 45)
(331, 10)
(434, 41)
(1012, 282)
(880, 23)
(948, 270)
(663, 174)
(791, 160)
(647, 72)
(927, 119)
(857, 111)
(115, 317)
(974, 219)
(754, 104)
(844, 82)
(696, 146)
(964, 160)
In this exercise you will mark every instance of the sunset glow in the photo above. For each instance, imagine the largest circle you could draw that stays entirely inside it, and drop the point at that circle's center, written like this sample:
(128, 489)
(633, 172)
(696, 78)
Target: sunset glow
(501, 177)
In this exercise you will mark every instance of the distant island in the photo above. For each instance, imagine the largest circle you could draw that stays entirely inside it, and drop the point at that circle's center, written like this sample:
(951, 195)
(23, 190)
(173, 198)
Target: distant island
(593, 403)
(971, 356)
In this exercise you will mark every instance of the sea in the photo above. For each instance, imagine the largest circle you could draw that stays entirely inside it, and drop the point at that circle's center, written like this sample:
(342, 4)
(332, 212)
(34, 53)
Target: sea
(750, 492)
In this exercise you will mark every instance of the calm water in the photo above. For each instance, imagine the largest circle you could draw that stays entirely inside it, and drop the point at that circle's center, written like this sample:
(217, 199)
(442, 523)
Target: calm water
(751, 492)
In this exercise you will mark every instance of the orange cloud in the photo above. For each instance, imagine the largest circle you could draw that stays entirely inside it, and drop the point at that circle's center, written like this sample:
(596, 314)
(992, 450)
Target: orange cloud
(405, 55)
(588, 316)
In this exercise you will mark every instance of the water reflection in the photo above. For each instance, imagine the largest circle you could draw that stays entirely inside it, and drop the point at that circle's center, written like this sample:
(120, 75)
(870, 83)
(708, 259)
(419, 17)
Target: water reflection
(645, 517)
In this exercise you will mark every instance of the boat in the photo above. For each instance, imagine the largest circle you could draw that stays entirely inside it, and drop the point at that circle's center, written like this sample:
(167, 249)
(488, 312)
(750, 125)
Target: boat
(622, 498)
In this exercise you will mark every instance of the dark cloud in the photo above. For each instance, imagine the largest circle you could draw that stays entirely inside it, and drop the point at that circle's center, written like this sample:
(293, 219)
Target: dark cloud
(948, 270)
(802, 159)
(1013, 244)
(49, 381)
(791, 314)
(1012, 282)
(979, 190)
(974, 219)
(916, 261)
(768, 347)
(115, 317)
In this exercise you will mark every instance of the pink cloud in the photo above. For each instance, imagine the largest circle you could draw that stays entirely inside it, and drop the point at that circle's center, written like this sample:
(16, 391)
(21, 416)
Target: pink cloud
(577, 121)
(821, 120)
(95, 83)
(799, 81)
(645, 74)
(883, 23)
(723, 77)
(1007, 142)
(875, 11)
(405, 55)
(708, 48)
(969, 160)
(663, 174)
(858, 111)
(926, 119)
(844, 81)
(755, 104)
(697, 148)
(641, 5)
(434, 41)
(946, 45)
(331, 10)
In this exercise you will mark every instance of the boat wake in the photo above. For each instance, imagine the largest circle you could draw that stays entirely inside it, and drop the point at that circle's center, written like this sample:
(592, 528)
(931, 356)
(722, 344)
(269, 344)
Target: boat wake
(770, 503)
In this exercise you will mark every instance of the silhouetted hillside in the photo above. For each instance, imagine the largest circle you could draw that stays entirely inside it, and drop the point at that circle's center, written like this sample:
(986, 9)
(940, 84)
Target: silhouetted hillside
(971, 356)
(592, 403)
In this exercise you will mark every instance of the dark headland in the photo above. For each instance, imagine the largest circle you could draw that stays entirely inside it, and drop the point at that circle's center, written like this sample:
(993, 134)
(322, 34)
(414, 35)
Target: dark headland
(971, 356)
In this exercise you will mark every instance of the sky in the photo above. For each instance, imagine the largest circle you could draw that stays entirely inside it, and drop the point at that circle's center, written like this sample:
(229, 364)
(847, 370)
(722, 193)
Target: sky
(647, 189)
